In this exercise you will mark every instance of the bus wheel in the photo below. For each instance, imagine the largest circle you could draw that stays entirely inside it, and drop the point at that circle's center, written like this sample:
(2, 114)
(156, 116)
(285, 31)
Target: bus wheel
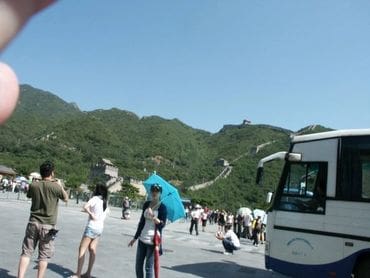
(362, 268)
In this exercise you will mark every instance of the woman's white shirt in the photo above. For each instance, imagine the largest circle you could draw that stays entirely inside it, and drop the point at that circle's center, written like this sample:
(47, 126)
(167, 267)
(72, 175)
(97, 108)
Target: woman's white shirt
(96, 207)
(147, 234)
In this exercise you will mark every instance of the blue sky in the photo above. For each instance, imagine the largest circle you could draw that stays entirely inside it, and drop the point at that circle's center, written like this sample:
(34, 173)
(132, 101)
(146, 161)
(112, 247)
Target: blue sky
(207, 63)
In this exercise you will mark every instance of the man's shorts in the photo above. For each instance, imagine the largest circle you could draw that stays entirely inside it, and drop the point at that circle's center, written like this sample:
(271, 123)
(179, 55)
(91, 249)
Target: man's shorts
(91, 233)
(38, 233)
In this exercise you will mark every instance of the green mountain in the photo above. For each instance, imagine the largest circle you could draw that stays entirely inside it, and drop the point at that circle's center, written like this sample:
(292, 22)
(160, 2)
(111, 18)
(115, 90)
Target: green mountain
(46, 127)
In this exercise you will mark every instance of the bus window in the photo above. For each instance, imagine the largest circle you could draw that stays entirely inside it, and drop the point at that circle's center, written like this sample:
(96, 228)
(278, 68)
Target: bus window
(304, 188)
(365, 176)
(354, 174)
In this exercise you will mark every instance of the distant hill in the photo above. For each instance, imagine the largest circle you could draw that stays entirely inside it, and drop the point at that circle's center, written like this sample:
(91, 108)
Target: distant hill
(44, 104)
(312, 129)
(46, 127)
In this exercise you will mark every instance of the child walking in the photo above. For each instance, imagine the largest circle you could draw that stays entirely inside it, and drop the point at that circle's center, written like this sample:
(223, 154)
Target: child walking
(96, 208)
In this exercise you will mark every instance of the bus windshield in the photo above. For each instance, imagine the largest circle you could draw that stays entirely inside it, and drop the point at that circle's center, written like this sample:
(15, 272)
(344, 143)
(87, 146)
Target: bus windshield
(304, 187)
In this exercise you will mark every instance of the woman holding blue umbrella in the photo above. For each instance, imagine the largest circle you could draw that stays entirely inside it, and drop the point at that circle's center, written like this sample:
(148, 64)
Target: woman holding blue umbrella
(149, 232)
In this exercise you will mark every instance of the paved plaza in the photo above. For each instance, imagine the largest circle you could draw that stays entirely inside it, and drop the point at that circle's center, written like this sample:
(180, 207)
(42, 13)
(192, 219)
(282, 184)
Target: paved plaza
(184, 256)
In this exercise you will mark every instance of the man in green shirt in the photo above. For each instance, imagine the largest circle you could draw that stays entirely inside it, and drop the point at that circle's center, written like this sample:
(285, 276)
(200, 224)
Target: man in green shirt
(45, 195)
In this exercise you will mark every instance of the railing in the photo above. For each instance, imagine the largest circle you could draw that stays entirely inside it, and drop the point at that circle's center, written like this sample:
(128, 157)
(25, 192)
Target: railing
(117, 201)
(13, 195)
(75, 197)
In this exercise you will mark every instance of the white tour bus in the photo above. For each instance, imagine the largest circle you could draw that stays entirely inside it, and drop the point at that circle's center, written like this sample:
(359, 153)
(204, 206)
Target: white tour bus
(319, 219)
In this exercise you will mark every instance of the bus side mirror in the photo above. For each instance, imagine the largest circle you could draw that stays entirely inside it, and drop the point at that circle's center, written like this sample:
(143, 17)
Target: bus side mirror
(259, 175)
(293, 157)
(269, 197)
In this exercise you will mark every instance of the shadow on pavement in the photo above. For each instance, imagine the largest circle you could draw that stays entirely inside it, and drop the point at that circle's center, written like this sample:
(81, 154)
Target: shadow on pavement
(219, 269)
(5, 273)
(61, 270)
(181, 232)
(129, 235)
(213, 251)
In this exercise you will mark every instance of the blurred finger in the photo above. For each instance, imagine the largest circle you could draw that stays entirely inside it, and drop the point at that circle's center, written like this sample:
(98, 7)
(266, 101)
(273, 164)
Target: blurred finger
(42, 4)
(9, 91)
(14, 14)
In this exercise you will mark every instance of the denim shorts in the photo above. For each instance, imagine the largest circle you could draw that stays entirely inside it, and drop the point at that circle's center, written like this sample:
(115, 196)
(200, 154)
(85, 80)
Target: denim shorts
(91, 233)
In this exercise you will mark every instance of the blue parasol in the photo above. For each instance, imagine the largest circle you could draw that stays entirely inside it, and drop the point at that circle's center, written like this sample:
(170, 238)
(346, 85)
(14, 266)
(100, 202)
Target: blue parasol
(170, 197)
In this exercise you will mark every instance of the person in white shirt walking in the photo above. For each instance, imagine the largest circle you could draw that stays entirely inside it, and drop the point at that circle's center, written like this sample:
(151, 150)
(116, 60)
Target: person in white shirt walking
(247, 225)
(195, 215)
(204, 217)
(97, 209)
(230, 240)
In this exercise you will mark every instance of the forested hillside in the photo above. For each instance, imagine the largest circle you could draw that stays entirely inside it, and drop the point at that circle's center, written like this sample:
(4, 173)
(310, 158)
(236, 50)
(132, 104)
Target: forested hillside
(46, 127)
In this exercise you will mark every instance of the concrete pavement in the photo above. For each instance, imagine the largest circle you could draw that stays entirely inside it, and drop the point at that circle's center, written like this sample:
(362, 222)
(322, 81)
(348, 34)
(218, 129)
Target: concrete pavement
(184, 256)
